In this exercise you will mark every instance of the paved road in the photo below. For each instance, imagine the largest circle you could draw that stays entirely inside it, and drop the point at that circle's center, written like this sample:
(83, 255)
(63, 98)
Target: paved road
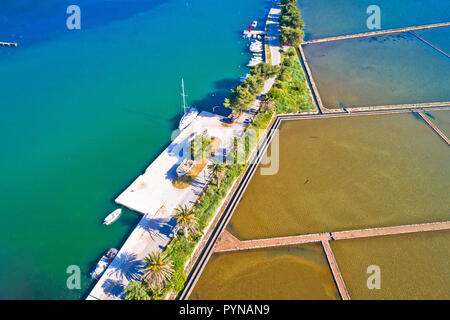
(273, 34)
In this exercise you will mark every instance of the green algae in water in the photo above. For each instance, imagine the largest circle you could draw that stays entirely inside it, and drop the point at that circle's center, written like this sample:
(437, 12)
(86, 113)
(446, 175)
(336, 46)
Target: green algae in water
(412, 266)
(348, 173)
(293, 272)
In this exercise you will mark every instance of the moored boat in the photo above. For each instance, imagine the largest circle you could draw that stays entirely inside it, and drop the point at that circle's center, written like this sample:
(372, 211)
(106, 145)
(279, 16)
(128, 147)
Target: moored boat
(112, 217)
(185, 167)
(188, 116)
(103, 264)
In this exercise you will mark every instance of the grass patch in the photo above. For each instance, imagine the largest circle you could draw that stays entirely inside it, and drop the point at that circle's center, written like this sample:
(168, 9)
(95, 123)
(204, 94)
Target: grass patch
(291, 92)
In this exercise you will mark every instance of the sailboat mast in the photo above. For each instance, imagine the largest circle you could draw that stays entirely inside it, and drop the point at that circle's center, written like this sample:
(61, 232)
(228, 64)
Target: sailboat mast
(183, 95)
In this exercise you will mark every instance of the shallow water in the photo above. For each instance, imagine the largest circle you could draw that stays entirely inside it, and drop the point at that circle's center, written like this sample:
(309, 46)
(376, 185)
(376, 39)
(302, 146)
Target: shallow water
(348, 173)
(325, 18)
(412, 266)
(442, 120)
(438, 37)
(295, 272)
(84, 112)
(384, 70)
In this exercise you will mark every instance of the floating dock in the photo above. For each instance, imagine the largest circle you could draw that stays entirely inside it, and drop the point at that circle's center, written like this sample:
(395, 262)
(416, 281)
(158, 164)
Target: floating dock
(9, 44)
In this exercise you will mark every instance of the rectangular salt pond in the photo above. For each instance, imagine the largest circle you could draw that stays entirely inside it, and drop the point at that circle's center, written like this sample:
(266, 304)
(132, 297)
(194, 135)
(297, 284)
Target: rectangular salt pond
(439, 37)
(325, 18)
(412, 266)
(348, 173)
(293, 272)
(383, 70)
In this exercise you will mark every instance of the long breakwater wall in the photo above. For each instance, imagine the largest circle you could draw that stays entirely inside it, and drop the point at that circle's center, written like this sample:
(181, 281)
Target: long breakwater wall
(378, 33)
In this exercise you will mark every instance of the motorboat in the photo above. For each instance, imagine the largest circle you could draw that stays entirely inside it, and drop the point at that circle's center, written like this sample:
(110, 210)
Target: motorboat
(112, 217)
(103, 264)
(254, 24)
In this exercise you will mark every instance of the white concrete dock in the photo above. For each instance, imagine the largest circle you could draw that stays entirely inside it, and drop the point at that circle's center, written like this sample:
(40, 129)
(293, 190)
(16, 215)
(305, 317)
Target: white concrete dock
(153, 195)
(273, 35)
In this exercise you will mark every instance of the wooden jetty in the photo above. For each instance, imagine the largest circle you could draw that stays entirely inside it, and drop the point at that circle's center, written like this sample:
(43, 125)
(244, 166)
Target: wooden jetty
(378, 33)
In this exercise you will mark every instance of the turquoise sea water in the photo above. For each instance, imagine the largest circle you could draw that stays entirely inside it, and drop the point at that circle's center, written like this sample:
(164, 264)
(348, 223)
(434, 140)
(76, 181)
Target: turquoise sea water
(84, 112)
(325, 18)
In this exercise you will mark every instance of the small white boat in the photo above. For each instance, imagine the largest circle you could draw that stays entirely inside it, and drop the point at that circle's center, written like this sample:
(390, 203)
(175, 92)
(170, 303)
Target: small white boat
(254, 24)
(253, 63)
(185, 167)
(243, 78)
(112, 217)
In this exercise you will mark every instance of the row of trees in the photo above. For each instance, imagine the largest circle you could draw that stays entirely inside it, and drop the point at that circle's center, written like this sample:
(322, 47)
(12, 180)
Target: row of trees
(159, 267)
(291, 24)
(244, 95)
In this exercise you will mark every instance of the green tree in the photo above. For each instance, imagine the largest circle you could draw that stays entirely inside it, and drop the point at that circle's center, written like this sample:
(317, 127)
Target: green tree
(186, 220)
(218, 171)
(158, 269)
(135, 290)
(242, 98)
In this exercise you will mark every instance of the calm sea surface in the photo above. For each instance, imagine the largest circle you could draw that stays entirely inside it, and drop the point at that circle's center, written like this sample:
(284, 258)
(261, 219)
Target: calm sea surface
(84, 112)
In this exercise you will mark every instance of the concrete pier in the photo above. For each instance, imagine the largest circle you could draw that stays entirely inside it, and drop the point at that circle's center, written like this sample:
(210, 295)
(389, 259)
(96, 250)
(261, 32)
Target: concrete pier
(378, 33)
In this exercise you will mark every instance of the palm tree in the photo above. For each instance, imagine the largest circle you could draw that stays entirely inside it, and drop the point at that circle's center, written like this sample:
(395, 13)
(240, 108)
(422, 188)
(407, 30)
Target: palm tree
(158, 270)
(218, 170)
(186, 220)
